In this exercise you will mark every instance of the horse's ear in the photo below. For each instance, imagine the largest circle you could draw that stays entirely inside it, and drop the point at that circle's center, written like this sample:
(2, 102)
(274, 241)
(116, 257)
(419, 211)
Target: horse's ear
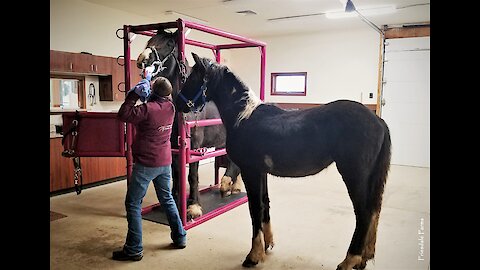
(197, 59)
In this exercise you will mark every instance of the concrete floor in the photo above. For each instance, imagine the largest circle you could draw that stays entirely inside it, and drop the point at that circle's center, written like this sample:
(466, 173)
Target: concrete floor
(312, 222)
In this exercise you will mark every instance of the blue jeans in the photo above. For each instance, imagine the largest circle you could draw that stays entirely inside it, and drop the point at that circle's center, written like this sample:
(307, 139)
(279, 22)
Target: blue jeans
(137, 188)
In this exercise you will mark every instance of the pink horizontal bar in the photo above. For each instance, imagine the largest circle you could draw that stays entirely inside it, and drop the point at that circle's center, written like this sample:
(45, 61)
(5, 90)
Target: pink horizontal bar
(215, 153)
(147, 33)
(221, 33)
(203, 123)
(214, 213)
(148, 209)
(236, 45)
(153, 26)
(200, 44)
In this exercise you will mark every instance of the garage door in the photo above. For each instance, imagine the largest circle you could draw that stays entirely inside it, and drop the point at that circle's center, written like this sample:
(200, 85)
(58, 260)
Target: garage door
(406, 95)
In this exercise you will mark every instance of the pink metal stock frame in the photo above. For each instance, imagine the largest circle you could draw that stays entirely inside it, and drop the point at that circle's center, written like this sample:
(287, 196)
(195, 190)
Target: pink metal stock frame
(187, 155)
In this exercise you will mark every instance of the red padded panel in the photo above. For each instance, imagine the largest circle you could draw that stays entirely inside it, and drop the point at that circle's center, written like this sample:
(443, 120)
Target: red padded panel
(100, 134)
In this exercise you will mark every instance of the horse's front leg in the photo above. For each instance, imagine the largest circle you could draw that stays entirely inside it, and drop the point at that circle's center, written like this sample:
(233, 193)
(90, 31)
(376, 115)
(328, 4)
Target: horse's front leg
(194, 209)
(231, 182)
(255, 189)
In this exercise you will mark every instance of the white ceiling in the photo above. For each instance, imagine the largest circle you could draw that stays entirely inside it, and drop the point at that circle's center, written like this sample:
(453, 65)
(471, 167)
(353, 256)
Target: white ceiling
(222, 14)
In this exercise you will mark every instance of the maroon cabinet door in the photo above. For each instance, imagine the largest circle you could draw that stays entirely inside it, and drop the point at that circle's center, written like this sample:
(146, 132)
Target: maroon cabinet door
(99, 134)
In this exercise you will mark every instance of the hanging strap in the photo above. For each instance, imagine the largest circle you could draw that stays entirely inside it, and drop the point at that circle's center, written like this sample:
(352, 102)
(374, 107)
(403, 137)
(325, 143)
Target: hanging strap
(70, 152)
(77, 175)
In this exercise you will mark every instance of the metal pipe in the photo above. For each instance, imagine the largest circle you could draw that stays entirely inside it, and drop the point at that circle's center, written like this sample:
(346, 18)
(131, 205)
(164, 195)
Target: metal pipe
(370, 23)
(216, 153)
(203, 123)
(129, 131)
(217, 55)
(200, 44)
(139, 28)
(263, 59)
(236, 45)
(184, 146)
(221, 33)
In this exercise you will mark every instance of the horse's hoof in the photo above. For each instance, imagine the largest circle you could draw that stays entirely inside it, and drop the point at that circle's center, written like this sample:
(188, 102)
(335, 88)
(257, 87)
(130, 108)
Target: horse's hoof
(194, 211)
(226, 186)
(360, 266)
(249, 263)
(225, 193)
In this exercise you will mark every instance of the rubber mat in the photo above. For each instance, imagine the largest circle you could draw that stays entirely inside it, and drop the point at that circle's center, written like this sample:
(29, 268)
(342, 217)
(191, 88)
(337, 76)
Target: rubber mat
(210, 200)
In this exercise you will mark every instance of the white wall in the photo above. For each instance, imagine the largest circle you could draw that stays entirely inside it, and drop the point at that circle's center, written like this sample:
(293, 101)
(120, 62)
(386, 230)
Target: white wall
(77, 26)
(339, 65)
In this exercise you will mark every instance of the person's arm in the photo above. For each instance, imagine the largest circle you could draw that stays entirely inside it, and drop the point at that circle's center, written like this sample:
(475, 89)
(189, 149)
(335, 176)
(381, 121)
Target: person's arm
(130, 113)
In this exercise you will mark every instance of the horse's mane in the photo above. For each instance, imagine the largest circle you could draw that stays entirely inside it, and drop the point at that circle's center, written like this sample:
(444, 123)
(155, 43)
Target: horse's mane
(243, 96)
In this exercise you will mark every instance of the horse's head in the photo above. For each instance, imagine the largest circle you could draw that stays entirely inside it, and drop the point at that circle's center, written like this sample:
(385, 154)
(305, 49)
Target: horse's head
(161, 53)
(195, 92)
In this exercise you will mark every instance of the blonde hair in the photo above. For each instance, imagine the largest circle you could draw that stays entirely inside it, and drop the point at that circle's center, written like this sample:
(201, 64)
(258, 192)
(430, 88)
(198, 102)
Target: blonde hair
(161, 86)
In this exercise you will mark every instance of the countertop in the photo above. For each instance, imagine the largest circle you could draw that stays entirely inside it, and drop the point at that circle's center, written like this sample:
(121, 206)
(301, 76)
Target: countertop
(54, 135)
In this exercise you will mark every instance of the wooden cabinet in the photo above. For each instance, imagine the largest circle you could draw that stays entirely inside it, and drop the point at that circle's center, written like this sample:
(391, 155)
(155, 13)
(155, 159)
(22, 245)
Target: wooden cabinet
(61, 61)
(111, 74)
(91, 64)
(94, 169)
(117, 81)
(81, 63)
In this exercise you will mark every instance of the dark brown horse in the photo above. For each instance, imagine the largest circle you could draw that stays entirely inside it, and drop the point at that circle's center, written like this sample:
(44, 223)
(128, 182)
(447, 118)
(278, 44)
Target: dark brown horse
(161, 52)
(265, 139)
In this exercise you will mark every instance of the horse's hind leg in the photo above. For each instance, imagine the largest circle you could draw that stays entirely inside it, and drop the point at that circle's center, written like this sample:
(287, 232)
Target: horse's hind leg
(194, 209)
(266, 225)
(255, 186)
(357, 190)
(365, 190)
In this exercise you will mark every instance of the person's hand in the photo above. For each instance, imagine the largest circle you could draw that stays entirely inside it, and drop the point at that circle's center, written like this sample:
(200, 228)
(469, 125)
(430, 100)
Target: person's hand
(147, 72)
(142, 89)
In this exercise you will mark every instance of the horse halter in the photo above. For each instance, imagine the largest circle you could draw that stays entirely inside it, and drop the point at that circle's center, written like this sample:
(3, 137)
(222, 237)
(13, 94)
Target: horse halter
(201, 93)
(157, 63)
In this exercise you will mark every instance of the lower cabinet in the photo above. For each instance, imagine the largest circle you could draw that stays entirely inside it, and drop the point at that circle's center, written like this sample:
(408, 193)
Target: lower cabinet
(94, 169)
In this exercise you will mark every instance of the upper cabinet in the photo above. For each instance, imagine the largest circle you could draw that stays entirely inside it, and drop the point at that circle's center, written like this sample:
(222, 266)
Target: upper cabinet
(61, 61)
(110, 73)
(79, 63)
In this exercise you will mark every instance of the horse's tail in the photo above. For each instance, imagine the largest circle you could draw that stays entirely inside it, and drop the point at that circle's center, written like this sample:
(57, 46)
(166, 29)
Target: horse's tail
(378, 176)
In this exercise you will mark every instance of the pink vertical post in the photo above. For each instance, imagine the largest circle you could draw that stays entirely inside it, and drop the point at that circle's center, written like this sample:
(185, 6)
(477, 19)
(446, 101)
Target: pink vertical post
(184, 147)
(126, 54)
(217, 55)
(217, 175)
(263, 58)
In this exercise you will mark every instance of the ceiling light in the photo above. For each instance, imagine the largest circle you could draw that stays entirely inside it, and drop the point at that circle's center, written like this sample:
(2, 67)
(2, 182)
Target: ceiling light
(372, 11)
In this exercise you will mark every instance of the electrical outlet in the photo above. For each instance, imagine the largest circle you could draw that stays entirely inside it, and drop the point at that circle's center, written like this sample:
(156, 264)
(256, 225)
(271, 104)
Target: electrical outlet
(370, 95)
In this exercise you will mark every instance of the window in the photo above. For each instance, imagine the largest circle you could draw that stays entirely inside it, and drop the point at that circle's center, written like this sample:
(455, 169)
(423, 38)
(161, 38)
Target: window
(66, 93)
(289, 84)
